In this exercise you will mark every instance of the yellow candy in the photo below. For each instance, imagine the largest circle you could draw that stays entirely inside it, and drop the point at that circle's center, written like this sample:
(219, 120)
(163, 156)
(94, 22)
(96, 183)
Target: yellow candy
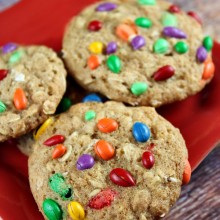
(76, 211)
(96, 47)
(38, 132)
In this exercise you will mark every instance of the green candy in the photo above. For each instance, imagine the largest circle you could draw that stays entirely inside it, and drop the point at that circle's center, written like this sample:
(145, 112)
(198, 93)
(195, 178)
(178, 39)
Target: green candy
(169, 20)
(208, 43)
(2, 107)
(15, 57)
(114, 63)
(143, 22)
(161, 46)
(52, 210)
(147, 2)
(64, 105)
(181, 47)
(58, 185)
(139, 88)
(89, 115)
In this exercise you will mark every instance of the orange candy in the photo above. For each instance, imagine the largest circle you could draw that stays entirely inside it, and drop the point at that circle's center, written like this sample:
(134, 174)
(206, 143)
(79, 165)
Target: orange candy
(107, 125)
(209, 70)
(59, 151)
(124, 31)
(187, 173)
(209, 59)
(104, 150)
(20, 100)
(93, 62)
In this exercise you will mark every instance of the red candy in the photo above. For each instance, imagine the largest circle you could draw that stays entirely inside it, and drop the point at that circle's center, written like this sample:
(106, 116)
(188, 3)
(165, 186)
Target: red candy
(122, 177)
(195, 16)
(59, 151)
(148, 160)
(164, 73)
(3, 74)
(56, 139)
(107, 125)
(95, 25)
(174, 9)
(102, 199)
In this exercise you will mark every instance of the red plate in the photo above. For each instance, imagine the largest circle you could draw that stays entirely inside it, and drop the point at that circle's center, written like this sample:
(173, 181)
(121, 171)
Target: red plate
(43, 22)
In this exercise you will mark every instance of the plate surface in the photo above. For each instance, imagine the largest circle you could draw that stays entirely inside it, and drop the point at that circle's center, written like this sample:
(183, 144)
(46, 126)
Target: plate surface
(31, 22)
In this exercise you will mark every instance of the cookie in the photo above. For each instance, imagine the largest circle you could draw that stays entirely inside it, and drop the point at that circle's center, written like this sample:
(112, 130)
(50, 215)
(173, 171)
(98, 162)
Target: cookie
(74, 94)
(138, 52)
(107, 161)
(32, 83)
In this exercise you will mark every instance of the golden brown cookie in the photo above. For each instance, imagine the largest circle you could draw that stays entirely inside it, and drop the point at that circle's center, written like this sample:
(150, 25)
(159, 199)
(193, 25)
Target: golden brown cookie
(32, 83)
(141, 52)
(107, 161)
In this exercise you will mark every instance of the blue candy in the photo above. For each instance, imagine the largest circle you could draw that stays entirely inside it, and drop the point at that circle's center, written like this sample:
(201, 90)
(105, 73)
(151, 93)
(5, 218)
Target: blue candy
(92, 98)
(141, 132)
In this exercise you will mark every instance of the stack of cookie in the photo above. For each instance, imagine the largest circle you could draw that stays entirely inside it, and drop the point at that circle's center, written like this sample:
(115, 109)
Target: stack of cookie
(109, 156)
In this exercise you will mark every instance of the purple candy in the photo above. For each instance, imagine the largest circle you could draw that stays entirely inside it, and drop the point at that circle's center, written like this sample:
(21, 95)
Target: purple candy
(174, 32)
(9, 47)
(111, 48)
(84, 162)
(138, 42)
(108, 6)
(201, 54)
